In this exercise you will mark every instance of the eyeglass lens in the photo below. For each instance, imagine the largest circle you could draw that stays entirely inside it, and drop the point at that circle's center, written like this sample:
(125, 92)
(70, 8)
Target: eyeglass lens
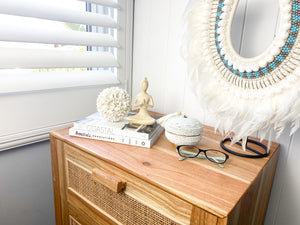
(215, 156)
(188, 151)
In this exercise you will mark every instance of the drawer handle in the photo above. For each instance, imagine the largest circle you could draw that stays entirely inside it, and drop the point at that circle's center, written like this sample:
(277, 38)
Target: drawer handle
(107, 180)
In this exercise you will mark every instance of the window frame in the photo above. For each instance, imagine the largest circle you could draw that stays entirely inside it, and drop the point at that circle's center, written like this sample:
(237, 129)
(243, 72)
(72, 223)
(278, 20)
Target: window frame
(28, 115)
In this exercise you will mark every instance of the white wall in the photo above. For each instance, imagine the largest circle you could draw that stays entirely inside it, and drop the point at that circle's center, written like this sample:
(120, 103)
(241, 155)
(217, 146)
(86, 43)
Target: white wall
(156, 52)
(157, 39)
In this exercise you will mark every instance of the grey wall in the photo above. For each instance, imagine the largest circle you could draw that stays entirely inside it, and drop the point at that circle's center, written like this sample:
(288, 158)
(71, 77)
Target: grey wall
(26, 192)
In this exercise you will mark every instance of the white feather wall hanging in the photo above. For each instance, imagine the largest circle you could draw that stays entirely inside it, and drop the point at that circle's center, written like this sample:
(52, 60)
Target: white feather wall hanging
(246, 95)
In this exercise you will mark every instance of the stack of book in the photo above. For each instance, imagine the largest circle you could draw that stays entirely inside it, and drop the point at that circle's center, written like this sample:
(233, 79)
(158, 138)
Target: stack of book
(97, 127)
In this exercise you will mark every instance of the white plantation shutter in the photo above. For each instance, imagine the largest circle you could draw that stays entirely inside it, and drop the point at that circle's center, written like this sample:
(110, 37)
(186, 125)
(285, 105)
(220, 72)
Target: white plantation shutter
(51, 46)
(43, 57)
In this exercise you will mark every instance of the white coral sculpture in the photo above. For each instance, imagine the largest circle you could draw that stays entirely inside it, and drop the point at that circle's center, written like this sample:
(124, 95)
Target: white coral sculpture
(113, 103)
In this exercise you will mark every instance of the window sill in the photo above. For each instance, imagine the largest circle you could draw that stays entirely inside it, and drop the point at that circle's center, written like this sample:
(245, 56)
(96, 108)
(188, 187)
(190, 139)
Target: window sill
(29, 137)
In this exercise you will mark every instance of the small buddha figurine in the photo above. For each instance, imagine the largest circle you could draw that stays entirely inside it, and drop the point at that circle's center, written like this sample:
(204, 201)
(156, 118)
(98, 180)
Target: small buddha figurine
(142, 100)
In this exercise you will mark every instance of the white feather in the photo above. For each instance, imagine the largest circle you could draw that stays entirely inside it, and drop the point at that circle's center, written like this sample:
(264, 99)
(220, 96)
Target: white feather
(236, 109)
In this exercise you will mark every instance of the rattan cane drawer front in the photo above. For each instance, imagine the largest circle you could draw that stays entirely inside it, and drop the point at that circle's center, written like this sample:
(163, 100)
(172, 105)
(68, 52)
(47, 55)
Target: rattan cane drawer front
(139, 204)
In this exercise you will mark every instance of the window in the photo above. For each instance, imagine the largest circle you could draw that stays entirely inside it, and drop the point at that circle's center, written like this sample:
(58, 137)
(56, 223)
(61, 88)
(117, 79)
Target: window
(55, 57)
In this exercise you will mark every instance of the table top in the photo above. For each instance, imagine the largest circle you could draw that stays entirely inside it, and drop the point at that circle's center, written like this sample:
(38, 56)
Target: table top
(197, 181)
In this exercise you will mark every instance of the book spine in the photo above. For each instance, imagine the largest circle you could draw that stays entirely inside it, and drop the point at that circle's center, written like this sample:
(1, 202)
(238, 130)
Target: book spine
(111, 138)
(103, 130)
(140, 142)
(147, 143)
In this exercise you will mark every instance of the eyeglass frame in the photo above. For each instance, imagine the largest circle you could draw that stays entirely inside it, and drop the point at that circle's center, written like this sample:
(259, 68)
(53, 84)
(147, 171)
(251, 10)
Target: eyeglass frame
(204, 151)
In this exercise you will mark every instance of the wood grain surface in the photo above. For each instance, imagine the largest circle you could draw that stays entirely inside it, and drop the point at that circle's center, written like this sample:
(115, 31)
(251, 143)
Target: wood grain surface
(202, 183)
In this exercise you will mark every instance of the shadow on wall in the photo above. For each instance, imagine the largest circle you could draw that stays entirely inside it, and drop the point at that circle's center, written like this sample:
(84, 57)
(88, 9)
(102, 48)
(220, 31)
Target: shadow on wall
(26, 191)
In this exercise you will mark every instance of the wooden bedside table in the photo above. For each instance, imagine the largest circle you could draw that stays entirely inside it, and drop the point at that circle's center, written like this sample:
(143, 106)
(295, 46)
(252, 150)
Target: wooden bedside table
(98, 182)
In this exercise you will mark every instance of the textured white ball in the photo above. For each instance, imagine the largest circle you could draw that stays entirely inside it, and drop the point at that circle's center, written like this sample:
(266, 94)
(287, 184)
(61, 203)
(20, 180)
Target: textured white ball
(113, 103)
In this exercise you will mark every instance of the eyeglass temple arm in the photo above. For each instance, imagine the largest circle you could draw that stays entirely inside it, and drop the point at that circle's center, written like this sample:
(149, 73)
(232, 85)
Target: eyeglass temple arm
(201, 157)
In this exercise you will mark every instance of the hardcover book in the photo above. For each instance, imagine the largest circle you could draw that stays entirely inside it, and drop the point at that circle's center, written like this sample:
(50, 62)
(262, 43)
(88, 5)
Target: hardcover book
(97, 124)
(98, 128)
(117, 138)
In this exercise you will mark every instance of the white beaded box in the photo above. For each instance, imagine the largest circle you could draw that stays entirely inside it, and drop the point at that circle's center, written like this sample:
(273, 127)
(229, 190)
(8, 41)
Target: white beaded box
(182, 130)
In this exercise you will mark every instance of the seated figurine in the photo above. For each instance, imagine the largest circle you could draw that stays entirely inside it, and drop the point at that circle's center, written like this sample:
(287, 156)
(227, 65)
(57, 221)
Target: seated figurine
(142, 100)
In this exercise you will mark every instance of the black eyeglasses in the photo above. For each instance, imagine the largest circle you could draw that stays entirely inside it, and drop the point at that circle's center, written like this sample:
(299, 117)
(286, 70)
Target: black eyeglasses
(190, 151)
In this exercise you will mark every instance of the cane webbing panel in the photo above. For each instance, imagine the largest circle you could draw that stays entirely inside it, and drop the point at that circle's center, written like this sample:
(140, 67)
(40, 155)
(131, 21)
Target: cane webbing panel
(120, 206)
(73, 221)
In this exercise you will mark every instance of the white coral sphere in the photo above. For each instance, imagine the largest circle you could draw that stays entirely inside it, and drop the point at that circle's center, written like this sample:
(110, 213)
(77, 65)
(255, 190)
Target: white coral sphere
(113, 103)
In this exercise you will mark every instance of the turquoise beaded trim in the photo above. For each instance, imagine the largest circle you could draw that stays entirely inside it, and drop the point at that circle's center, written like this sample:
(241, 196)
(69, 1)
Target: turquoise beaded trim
(278, 59)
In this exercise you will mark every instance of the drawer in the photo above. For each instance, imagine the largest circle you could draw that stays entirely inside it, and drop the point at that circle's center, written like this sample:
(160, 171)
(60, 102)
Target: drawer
(99, 188)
